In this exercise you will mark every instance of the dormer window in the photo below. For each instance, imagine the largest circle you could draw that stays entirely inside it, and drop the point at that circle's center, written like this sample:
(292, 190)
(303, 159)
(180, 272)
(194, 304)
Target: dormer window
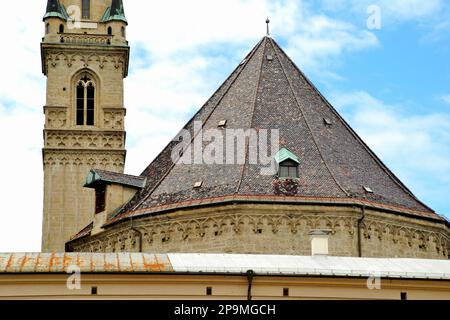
(288, 169)
(288, 164)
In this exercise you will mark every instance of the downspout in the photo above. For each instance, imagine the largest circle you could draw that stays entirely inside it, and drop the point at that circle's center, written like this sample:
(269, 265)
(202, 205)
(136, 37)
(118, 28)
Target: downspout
(360, 222)
(250, 275)
(139, 234)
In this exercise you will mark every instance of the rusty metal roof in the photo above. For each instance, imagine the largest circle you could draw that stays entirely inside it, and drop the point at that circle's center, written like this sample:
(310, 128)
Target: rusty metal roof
(12, 263)
(87, 262)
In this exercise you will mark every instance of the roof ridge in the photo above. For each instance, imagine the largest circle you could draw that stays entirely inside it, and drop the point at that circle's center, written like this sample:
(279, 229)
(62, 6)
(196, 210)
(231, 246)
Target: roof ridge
(209, 99)
(246, 60)
(390, 174)
(306, 121)
(238, 188)
(119, 173)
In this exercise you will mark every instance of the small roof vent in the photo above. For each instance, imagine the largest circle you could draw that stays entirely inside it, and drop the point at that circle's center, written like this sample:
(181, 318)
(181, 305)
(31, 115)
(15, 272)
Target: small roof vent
(198, 184)
(327, 122)
(269, 57)
(368, 189)
(222, 123)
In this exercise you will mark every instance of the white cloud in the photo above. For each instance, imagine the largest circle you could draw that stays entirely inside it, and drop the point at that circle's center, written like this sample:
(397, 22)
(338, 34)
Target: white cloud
(416, 147)
(21, 184)
(319, 40)
(22, 95)
(391, 10)
(410, 9)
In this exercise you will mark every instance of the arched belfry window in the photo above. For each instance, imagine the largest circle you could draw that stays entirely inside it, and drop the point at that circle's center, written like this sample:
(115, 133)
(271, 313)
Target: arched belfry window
(288, 164)
(61, 28)
(85, 101)
(86, 9)
(110, 31)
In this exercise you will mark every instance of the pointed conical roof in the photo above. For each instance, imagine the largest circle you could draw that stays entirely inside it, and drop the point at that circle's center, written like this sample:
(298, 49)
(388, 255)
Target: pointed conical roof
(268, 91)
(55, 9)
(115, 12)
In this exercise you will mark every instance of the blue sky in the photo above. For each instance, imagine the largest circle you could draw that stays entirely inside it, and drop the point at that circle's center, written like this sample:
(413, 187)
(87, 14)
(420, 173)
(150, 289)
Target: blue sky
(391, 84)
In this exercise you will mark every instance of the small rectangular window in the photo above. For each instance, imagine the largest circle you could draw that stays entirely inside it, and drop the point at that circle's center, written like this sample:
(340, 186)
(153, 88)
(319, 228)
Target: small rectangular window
(86, 9)
(288, 169)
(100, 199)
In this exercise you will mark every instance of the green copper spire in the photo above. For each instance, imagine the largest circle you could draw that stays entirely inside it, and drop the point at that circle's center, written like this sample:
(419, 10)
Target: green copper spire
(115, 12)
(55, 9)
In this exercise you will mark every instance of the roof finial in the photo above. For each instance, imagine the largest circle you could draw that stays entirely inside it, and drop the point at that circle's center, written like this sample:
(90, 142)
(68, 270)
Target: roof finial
(268, 22)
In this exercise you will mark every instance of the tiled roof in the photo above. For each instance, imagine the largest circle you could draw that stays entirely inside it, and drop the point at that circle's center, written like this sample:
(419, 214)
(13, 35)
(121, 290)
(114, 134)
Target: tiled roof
(268, 91)
(15, 263)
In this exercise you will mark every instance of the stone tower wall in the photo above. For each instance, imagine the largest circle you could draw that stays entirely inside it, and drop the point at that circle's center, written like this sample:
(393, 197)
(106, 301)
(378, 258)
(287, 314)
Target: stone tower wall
(71, 150)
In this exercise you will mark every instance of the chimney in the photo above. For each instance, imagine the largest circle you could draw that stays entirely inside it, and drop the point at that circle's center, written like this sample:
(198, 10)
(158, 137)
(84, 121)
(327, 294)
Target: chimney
(319, 242)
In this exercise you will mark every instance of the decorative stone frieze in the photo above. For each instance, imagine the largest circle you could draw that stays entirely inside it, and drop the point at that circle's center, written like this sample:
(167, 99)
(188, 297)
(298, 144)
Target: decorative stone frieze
(254, 229)
(84, 140)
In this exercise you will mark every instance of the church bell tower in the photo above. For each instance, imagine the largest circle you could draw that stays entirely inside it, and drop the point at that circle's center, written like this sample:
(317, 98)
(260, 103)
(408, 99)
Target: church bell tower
(85, 58)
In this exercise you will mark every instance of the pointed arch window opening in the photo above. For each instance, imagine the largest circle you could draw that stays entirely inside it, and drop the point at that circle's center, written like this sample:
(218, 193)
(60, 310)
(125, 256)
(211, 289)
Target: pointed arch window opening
(85, 101)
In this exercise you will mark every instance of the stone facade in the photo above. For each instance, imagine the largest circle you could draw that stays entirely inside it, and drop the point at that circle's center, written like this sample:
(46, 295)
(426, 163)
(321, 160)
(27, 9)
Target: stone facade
(70, 149)
(269, 229)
